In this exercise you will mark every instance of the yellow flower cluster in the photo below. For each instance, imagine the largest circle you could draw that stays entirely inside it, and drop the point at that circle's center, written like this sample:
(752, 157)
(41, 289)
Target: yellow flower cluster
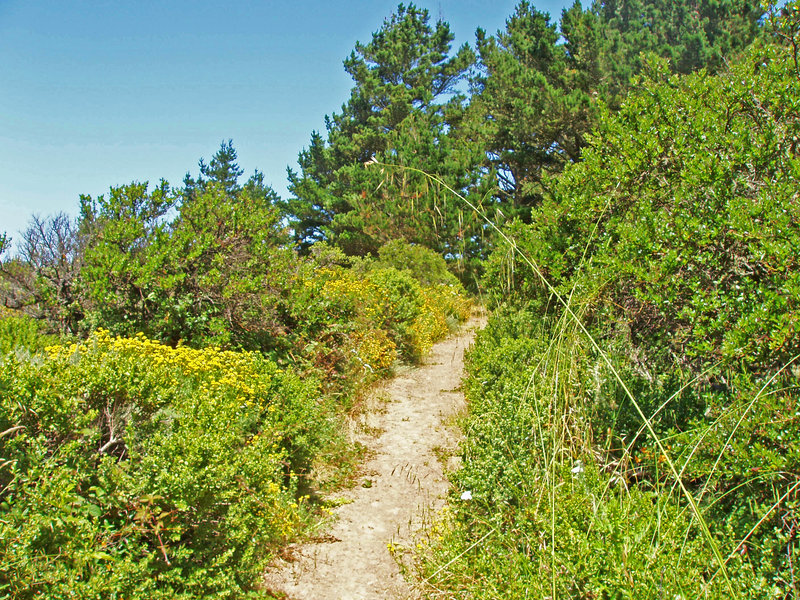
(199, 401)
(438, 302)
(362, 294)
(244, 374)
(427, 329)
(370, 305)
(346, 284)
(375, 349)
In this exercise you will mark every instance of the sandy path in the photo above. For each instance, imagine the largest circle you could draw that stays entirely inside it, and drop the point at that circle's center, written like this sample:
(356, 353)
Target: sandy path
(403, 483)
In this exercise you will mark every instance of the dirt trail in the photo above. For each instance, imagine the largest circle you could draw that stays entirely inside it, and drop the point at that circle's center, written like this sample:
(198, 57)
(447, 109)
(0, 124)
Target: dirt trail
(402, 485)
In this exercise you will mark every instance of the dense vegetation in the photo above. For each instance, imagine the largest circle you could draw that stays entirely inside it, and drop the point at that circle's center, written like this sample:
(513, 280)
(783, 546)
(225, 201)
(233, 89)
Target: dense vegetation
(175, 434)
(633, 426)
(621, 187)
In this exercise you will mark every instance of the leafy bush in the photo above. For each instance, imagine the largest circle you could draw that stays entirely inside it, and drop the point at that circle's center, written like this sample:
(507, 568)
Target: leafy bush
(377, 315)
(545, 515)
(443, 307)
(425, 265)
(131, 469)
(681, 220)
(208, 276)
(642, 442)
(20, 331)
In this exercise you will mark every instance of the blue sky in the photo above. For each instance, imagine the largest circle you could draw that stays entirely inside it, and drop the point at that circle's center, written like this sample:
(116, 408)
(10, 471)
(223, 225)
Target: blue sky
(95, 94)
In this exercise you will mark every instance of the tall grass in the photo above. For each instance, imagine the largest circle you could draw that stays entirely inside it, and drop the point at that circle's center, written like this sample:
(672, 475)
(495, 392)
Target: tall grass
(567, 506)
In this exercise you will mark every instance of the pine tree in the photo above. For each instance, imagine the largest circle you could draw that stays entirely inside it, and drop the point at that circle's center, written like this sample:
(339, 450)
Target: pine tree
(406, 108)
(539, 89)
(529, 107)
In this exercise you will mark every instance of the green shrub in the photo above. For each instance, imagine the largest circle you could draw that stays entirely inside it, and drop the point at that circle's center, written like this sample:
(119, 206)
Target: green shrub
(130, 469)
(547, 512)
(354, 323)
(21, 331)
(675, 244)
(681, 222)
(425, 265)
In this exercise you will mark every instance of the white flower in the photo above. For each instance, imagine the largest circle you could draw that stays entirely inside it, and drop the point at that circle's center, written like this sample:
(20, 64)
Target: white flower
(578, 468)
(467, 495)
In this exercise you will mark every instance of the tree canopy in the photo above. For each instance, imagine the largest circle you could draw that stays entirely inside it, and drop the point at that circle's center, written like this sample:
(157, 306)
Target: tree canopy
(406, 108)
